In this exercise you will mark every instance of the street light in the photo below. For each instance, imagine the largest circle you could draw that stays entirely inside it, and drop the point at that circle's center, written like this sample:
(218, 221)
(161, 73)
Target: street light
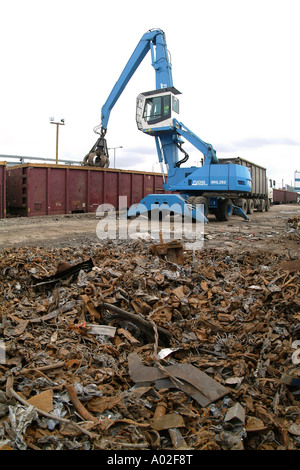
(61, 123)
(114, 149)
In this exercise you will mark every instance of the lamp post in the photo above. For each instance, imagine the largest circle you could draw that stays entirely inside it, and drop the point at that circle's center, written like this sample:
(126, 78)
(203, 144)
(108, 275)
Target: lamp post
(61, 123)
(114, 149)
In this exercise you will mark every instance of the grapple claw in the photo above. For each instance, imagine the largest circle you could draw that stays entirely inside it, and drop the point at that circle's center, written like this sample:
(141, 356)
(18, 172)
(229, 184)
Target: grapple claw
(98, 155)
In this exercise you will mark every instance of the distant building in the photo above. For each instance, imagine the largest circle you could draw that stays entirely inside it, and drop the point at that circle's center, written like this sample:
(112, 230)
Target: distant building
(297, 180)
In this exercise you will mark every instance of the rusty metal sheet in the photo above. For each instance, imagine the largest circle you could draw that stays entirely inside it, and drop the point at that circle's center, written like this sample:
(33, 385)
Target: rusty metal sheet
(189, 378)
(170, 420)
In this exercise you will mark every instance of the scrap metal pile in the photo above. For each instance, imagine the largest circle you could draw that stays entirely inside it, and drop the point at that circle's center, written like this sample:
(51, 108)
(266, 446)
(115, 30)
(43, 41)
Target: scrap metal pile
(137, 345)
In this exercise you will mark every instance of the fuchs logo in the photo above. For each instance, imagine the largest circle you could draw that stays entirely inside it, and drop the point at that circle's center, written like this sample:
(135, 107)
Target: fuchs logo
(199, 183)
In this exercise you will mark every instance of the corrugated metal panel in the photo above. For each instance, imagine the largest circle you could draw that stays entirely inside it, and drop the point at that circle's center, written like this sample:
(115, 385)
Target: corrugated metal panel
(39, 189)
(291, 197)
(258, 174)
(281, 196)
(2, 190)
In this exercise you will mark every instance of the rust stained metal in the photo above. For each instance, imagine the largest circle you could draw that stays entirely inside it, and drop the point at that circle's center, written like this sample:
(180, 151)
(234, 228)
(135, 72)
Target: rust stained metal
(63, 271)
(168, 421)
(290, 266)
(234, 318)
(171, 422)
(147, 327)
(188, 378)
(171, 251)
(78, 405)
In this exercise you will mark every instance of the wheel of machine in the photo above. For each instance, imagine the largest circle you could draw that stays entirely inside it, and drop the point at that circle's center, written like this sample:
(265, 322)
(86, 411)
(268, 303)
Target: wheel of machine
(226, 209)
(217, 210)
(267, 204)
(202, 200)
(242, 203)
(261, 206)
(250, 206)
(191, 199)
(217, 213)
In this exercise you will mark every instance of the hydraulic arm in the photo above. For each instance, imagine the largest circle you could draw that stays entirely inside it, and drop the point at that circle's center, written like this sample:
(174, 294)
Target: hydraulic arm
(153, 40)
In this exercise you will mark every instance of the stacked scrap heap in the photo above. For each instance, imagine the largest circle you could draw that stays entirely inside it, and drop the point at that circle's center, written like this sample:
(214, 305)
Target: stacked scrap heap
(119, 345)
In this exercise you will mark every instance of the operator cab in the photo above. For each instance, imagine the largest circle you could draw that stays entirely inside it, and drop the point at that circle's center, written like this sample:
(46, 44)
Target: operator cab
(157, 109)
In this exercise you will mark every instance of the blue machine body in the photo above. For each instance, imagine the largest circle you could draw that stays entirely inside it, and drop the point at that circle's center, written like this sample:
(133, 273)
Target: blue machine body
(157, 116)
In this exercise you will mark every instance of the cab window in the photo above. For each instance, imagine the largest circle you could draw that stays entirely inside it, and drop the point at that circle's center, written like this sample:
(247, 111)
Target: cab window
(175, 104)
(157, 108)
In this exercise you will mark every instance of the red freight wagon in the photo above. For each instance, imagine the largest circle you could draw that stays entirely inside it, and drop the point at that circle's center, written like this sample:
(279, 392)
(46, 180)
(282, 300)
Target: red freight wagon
(291, 197)
(2, 190)
(41, 189)
(281, 196)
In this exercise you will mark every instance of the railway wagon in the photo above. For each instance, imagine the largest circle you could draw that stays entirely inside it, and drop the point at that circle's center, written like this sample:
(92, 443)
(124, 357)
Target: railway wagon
(281, 196)
(2, 190)
(49, 189)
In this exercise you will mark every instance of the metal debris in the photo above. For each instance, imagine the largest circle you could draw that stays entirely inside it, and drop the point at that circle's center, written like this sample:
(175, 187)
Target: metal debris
(94, 340)
(235, 414)
(185, 377)
(171, 251)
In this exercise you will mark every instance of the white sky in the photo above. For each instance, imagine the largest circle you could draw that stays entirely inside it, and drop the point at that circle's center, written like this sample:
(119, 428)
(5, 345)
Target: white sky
(236, 63)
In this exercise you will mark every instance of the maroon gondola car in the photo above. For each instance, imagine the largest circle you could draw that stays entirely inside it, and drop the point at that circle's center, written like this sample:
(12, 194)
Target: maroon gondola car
(281, 196)
(47, 189)
(2, 190)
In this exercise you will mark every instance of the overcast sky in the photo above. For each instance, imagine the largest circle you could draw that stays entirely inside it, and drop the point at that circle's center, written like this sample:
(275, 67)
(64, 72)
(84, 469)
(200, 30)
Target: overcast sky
(236, 63)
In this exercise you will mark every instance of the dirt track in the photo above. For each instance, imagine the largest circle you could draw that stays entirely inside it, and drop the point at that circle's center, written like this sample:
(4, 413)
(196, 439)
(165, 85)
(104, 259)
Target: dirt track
(269, 230)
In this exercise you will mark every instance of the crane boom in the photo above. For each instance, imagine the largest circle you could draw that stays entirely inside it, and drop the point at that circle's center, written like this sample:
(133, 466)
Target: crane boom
(155, 41)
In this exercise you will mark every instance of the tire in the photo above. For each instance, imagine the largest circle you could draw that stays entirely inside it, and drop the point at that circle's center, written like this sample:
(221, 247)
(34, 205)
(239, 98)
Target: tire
(202, 200)
(261, 206)
(224, 210)
(217, 213)
(191, 199)
(242, 203)
(250, 206)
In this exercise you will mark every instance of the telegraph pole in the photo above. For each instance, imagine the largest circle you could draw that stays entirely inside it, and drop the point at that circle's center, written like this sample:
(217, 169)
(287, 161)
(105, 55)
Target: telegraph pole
(61, 123)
